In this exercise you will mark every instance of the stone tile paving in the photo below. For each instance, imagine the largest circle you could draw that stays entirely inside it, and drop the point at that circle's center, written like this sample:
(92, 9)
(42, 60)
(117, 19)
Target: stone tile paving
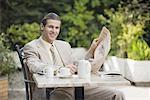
(136, 93)
(16, 86)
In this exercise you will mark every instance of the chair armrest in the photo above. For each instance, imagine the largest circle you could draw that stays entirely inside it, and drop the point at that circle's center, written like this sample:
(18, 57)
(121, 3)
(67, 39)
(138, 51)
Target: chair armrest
(28, 81)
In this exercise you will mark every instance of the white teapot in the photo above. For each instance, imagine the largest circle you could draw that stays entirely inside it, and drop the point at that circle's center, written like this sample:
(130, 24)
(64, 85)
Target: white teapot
(84, 69)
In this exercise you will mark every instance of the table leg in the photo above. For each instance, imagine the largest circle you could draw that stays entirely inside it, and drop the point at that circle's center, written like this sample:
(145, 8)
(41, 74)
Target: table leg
(79, 93)
(48, 91)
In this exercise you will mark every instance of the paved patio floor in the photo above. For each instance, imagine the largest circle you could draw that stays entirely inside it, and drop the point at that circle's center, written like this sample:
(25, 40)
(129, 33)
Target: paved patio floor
(136, 93)
(130, 92)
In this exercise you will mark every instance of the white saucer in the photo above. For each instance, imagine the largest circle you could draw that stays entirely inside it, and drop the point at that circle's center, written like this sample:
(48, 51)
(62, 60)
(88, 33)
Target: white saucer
(41, 73)
(63, 76)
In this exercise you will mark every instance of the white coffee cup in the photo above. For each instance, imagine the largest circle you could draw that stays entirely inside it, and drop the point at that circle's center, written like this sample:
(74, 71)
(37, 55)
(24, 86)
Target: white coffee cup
(64, 71)
(50, 71)
(84, 69)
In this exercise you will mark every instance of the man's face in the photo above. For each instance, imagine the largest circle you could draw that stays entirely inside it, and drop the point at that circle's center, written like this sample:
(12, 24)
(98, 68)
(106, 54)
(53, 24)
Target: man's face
(51, 30)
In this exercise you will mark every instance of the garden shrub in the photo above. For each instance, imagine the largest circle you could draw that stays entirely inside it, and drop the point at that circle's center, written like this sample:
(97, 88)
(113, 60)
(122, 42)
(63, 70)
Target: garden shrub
(22, 34)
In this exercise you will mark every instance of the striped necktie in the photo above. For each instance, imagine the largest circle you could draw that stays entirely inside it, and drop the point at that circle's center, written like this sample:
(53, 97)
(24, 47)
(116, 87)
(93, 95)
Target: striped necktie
(53, 54)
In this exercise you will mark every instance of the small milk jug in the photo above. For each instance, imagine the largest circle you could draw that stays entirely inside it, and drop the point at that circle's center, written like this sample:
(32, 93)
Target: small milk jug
(84, 69)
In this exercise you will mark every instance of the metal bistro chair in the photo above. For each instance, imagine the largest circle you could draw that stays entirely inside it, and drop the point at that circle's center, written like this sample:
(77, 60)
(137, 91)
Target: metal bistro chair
(25, 73)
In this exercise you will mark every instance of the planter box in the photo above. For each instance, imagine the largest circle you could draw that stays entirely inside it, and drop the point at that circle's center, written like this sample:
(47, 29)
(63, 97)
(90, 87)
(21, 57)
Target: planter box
(138, 71)
(115, 64)
(4, 88)
(135, 71)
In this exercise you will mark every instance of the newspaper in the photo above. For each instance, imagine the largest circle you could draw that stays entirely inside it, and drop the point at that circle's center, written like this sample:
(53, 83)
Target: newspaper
(103, 47)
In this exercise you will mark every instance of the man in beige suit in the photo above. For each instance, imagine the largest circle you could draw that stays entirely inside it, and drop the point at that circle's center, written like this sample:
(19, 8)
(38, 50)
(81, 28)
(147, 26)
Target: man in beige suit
(39, 56)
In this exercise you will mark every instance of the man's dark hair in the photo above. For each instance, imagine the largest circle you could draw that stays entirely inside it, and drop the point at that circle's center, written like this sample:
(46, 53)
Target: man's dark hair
(52, 16)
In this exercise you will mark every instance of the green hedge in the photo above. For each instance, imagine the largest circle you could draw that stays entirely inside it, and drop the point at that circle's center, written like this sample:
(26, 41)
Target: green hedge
(22, 34)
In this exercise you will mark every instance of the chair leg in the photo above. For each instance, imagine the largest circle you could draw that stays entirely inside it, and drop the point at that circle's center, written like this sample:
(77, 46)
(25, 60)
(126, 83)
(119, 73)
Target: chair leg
(48, 91)
(31, 91)
(27, 92)
(79, 93)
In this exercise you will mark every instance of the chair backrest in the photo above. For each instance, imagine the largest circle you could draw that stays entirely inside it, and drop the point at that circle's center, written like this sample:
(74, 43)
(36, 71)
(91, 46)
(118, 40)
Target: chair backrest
(25, 71)
(21, 57)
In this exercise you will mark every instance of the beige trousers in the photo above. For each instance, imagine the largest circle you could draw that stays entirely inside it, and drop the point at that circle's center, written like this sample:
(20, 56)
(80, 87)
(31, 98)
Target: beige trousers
(92, 93)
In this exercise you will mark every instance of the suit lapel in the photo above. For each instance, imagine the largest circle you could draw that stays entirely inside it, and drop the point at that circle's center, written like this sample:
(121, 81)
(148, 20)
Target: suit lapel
(43, 50)
(62, 52)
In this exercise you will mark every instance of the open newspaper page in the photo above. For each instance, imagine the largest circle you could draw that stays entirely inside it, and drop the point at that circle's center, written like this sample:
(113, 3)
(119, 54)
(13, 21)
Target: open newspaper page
(103, 47)
(102, 51)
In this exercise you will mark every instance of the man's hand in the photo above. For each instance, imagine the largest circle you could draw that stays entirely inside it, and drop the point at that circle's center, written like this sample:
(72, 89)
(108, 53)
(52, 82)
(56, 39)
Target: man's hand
(90, 53)
(72, 68)
(95, 43)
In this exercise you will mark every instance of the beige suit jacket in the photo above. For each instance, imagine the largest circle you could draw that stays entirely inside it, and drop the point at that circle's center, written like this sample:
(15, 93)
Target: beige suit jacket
(37, 57)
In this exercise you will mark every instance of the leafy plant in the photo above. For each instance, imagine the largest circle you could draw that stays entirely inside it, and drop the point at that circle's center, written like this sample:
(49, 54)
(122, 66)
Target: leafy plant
(139, 50)
(78, 25)
(114, 24)
(7, 64)
(126, 28)
(22, 34)
(130, 33)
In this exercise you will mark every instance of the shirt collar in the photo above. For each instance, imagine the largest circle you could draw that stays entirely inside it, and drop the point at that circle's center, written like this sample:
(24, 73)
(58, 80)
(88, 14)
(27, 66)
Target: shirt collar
(46, 44)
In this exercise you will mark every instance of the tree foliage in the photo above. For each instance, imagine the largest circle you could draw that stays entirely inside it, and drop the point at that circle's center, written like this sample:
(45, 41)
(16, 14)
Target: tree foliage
(128, 21)
(126, 29)
(28, 11)
(22, 34)
(77, 27)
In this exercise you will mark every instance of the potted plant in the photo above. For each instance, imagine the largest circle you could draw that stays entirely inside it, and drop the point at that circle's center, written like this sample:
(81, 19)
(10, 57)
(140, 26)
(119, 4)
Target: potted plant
(136, 53)
(138, 62)
(133, 60)
(131, 54)
(7, 66)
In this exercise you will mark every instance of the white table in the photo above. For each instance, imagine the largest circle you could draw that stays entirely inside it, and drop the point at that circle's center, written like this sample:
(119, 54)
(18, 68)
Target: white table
(44, 82)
